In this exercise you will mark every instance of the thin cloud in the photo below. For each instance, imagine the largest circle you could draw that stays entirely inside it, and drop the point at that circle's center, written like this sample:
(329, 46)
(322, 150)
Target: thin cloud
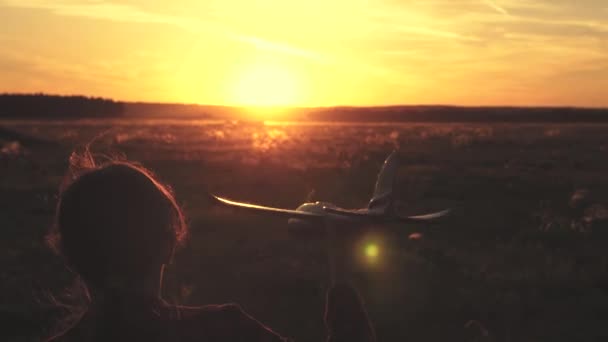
(132, 14)
(95, 10)
(425, 31)
(496, 7)
(283, 48)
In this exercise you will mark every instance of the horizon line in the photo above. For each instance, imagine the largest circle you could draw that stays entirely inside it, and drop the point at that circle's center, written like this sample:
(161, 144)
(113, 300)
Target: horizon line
(287, 107)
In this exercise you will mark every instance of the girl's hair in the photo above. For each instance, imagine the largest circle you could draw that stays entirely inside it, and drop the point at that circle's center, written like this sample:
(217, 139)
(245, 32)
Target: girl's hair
(114, 220)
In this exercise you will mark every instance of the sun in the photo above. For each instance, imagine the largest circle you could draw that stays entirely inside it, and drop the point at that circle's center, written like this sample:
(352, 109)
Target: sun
(265, 85)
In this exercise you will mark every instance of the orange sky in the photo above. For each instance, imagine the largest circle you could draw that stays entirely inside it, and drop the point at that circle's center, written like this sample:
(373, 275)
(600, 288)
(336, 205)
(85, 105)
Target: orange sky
(313, 53)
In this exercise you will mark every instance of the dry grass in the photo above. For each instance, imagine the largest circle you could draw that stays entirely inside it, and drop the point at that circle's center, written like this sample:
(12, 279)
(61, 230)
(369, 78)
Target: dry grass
(508, 259)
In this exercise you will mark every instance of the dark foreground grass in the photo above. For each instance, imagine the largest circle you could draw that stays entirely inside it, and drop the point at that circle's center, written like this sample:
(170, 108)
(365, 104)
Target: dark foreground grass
(507, 266)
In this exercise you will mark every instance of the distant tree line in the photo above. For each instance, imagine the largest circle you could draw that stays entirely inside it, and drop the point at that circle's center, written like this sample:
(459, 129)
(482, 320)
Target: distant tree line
(172, 110)
(457, 114)
(42, 106)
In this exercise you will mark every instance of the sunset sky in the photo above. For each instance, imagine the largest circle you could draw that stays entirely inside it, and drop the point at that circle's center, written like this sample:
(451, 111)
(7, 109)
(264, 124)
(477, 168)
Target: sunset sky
(312, 53)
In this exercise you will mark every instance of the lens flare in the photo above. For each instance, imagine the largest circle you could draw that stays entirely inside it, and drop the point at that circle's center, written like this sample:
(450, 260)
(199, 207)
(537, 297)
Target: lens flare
(372, 251)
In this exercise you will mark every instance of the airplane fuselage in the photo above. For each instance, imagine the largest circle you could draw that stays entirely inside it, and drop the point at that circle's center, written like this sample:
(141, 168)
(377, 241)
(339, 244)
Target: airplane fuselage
(297, 224)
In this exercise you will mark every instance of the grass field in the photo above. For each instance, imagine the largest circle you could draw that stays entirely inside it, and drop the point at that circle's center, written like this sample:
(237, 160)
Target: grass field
(513, 263)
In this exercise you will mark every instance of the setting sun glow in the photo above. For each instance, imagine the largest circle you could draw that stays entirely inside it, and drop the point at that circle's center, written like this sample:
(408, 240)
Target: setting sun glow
(265, 85)
(310, 53)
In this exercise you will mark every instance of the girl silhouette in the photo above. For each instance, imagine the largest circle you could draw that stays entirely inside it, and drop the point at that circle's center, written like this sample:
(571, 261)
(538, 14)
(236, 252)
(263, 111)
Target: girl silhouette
(117, 227)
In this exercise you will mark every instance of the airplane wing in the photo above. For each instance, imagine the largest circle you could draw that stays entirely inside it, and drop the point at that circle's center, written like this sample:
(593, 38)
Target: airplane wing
(268, 210)
(363, 213)
(425, 217)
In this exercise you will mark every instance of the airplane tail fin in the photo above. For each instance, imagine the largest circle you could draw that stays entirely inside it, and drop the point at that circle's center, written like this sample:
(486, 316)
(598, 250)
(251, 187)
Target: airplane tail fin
(383, 198)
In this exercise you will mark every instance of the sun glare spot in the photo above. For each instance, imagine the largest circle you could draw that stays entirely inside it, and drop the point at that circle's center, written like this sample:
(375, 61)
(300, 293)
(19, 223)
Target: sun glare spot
(372, 251)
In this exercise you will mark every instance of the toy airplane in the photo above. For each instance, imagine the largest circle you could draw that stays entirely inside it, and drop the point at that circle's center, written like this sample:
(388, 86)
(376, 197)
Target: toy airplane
(380, 209)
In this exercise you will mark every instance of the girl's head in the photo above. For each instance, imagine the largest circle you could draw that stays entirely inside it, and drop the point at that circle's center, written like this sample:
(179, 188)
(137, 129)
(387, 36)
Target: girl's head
(116, 221)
